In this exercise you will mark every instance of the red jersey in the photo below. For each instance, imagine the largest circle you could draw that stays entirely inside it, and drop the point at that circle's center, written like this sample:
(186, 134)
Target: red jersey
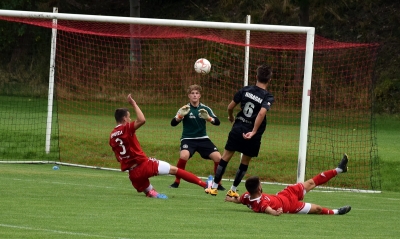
(288, 199)
(261, 203)
(126, 147)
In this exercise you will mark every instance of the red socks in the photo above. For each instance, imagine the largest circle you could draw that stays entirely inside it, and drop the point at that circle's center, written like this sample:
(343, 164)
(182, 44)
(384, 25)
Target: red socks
(321, 179)
(327, 211)
(182, 165)
(190, 177)
(324, 177)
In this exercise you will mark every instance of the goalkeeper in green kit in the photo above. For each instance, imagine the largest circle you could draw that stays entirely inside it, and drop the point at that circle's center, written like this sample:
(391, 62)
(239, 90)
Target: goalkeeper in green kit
(194, 117)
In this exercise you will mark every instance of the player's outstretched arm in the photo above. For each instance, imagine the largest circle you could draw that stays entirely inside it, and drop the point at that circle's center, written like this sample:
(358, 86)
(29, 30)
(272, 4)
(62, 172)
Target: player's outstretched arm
(203, 113)
(184, 110)
(232, 199)
(174, 122)
(231, 106)
(257, 123)
(273, 212)
(140, 119)
(216, 121)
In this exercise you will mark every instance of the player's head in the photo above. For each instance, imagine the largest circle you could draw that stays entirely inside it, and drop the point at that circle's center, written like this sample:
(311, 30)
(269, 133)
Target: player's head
(253, 185)
(121, 115)
(264, 73)
(193, 87)
(194, 94)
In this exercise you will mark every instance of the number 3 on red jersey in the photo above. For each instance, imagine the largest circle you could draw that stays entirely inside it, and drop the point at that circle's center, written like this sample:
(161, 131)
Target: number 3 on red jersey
(121, 144)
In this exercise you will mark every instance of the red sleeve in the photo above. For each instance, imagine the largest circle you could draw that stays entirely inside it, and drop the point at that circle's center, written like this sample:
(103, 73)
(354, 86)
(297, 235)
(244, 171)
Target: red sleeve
(242, 198)
(256, 205)
(131, 128)
(263, 204)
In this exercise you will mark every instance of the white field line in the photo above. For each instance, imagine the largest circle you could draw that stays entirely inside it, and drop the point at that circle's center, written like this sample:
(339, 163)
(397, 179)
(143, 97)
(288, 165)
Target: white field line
(57, 231)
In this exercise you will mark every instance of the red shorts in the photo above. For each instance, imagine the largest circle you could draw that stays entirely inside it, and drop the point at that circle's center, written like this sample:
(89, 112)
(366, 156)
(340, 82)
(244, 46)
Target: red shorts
(291, 197)
(140, 175)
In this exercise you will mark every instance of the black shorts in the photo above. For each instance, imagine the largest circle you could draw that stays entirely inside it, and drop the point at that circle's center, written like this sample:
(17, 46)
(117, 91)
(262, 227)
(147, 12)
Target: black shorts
(203, 146)
(236, 142)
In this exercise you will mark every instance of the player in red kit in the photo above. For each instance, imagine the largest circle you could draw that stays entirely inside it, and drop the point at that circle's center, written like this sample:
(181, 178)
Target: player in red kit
(289, 200)
(130, 155)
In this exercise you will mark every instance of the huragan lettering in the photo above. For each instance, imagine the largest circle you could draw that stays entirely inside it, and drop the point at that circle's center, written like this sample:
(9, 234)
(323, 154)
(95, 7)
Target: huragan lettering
(253, 97)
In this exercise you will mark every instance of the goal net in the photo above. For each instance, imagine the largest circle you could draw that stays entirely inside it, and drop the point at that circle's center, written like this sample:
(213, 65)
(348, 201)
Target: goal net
(97, 64)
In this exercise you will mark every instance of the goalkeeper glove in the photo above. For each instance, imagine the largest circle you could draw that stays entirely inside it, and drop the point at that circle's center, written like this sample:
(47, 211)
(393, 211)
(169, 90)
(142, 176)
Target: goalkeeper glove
(184, 110)
(204, 115)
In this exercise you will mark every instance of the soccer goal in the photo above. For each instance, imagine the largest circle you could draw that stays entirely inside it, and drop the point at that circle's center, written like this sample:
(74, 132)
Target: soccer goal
(323, 92)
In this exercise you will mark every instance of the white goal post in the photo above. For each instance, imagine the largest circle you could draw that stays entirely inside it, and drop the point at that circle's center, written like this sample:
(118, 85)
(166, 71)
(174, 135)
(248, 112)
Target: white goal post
(310, 31)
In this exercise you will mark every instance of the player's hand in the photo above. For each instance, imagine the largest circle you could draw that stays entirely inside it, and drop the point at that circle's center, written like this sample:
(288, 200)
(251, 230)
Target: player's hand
(232, 199)
(231, 118)
(131, 100)
(184, 110)
(279, 211)
(204, 114)
(248, 135)
(274, 212)
(228, 199)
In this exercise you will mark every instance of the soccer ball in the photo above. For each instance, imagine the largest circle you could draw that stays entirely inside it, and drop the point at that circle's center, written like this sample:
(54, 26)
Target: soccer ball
(202, 66)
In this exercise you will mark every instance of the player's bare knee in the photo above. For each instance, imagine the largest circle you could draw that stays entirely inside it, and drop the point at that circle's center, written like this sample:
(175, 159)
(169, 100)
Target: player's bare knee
(309, 185)
(312, 184)
(318, 209)
(173, 170)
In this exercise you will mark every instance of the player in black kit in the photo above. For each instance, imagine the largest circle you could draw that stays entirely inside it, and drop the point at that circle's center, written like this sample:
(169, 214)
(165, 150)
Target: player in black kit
(248, 128)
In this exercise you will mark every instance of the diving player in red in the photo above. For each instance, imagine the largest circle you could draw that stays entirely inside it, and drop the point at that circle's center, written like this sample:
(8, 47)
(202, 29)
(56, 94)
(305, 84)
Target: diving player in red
(289, 200)
(130, 155)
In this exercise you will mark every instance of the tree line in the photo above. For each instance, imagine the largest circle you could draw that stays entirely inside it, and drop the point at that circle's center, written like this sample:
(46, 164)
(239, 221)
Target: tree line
(25, 52)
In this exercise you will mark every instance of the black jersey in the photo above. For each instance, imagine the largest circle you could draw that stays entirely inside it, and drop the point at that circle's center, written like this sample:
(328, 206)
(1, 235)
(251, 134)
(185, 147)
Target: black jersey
(251, 100)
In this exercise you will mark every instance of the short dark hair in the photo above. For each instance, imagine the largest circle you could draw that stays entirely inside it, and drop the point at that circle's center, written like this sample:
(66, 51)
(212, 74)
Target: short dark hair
(120, 113)
(264, 73)
(252, 184)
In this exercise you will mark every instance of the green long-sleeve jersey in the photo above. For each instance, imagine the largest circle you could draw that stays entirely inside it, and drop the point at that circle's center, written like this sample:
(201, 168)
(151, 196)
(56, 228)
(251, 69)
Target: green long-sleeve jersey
(194, 127)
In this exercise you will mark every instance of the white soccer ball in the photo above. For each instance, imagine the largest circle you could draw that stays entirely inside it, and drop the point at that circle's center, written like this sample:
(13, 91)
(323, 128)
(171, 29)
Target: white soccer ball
(202, 66)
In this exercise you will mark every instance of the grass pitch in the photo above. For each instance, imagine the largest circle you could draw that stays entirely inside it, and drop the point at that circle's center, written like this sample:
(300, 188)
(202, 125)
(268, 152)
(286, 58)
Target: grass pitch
(39, 202)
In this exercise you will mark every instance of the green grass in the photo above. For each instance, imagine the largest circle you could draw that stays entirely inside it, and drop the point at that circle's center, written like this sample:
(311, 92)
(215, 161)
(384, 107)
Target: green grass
(81, 130)
(388, 140)
(23, 129)
(38, 202)
(388, 130)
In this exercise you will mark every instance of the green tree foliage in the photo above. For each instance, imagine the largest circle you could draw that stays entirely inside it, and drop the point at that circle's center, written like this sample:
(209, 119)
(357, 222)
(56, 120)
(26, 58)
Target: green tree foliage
(24, 50)
(11, 32)
(360, 21)
(93, 7)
